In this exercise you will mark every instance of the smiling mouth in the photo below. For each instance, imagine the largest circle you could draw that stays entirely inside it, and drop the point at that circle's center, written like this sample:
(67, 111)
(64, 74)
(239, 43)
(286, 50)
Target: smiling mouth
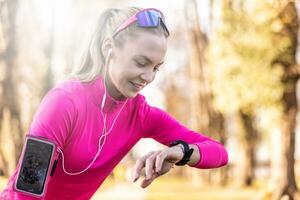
(137, 86)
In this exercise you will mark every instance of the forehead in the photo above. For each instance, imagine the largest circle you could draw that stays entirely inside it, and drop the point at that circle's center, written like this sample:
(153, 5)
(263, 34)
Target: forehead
(147, 44)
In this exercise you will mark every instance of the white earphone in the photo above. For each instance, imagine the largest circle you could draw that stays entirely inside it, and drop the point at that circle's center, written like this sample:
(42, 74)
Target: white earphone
(104, 133)
(107, 59)
(109, 53)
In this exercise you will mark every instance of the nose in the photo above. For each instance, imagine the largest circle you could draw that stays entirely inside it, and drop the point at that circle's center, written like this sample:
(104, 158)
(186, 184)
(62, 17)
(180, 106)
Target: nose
(148, 76)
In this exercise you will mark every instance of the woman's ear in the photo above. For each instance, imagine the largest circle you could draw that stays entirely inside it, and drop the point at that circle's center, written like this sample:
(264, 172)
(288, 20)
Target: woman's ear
(106, 48)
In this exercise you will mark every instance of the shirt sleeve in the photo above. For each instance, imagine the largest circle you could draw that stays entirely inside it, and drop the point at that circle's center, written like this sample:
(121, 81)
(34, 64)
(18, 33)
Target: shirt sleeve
(54, 118)
(162, 127)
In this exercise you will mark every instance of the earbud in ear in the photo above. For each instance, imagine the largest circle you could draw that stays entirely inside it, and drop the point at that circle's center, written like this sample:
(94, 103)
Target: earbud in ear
(109, 52)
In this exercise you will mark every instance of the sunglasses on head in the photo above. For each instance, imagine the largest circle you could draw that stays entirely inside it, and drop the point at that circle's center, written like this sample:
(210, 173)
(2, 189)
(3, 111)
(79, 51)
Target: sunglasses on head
(147, 18)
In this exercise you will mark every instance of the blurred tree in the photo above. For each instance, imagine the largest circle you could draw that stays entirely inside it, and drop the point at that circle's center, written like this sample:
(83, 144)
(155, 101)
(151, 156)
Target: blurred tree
(260, 75)
(204, 117)
(175, 99)
(242, 76)
(9, 107)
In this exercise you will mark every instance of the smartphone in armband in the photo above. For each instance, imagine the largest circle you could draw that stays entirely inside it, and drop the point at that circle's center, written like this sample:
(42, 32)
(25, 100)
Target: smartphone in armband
(37, 162)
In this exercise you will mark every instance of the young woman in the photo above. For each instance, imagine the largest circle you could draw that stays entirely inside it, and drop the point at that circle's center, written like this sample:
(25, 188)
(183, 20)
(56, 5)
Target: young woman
(97, 116)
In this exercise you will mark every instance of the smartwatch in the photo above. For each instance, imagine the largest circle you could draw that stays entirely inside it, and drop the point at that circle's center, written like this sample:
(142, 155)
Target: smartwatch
(186, 151)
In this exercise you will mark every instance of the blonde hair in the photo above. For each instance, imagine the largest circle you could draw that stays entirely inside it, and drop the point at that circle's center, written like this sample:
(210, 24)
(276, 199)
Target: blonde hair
(92, 59)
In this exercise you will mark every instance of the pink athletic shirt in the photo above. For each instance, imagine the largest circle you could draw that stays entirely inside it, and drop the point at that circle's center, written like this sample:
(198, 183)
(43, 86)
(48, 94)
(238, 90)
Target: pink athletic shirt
(69, 115)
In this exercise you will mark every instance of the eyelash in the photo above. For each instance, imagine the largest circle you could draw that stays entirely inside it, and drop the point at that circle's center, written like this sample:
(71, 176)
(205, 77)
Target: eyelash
(140, 65)
(143, 65)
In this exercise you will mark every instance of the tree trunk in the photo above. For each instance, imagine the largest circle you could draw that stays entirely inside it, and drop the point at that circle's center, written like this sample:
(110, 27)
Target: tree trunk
(286, 183)
(249, 140)
(244, 134)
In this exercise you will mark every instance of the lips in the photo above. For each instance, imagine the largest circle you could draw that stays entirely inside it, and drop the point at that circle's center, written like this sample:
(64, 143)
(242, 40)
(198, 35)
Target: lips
(137, 85)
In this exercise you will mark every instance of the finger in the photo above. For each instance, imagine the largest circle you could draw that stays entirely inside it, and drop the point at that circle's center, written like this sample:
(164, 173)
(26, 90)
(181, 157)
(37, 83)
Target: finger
(139, 165)
(149, 164)
(159, 161)
(137, 169)
(145, 183)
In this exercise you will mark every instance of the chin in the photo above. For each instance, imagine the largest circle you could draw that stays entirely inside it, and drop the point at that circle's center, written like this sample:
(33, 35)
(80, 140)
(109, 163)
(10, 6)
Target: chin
(131, 94)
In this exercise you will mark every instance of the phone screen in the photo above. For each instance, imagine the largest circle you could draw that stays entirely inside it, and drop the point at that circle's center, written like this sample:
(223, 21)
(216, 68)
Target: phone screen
(35, 166)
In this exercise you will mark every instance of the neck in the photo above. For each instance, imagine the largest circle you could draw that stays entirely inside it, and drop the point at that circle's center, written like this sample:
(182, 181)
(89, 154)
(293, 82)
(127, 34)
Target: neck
(112, 90)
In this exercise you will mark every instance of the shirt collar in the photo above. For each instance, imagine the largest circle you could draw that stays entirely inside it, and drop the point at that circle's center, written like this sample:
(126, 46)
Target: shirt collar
(98, 90)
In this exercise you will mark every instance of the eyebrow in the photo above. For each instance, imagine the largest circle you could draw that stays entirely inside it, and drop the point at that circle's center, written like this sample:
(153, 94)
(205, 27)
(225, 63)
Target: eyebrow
(148, 59)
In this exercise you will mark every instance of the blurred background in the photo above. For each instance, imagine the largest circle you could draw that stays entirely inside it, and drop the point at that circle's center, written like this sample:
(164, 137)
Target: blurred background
(231, 72)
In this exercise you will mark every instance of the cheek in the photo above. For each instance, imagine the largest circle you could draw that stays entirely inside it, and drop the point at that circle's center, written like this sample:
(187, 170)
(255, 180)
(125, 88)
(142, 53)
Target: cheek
(113, 74)
(119, 76)
(123, 72)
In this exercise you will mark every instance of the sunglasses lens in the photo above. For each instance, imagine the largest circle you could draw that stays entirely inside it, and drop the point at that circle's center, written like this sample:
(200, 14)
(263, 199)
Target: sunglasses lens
(148, 18)
(145, 18)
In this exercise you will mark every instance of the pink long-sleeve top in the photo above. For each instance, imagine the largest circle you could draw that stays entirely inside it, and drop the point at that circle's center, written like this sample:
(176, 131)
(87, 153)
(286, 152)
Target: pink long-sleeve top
(70, 116)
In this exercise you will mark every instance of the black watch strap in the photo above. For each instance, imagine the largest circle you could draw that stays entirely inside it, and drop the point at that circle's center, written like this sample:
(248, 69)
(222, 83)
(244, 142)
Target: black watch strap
(187, 152)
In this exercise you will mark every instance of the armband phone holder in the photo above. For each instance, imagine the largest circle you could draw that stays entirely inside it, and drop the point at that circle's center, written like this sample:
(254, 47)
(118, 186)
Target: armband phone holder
(38, 162)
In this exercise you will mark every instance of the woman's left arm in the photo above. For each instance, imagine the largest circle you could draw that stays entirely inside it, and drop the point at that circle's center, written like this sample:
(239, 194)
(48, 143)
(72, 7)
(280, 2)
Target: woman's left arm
(163, 128)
